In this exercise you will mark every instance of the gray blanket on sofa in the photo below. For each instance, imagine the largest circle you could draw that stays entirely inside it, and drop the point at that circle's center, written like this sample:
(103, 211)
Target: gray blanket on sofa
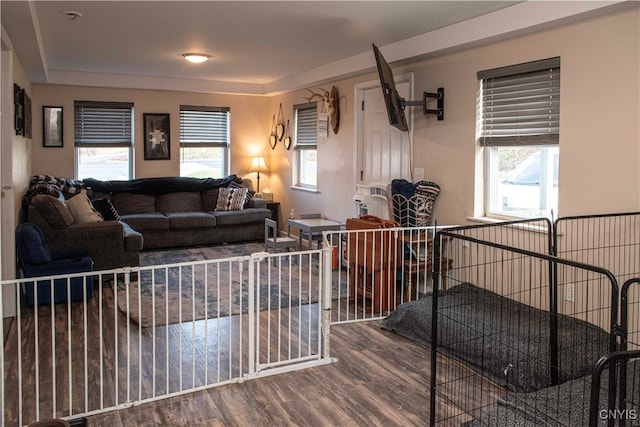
(157, 186)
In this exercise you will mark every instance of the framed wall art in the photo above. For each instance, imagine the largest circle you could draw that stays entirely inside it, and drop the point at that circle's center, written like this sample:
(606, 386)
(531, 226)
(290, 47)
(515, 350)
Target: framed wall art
(156, 136)
(18, 103)
(27, 114)
(51, 126)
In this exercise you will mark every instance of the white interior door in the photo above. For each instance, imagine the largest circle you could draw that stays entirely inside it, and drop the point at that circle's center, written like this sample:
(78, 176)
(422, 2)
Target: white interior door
(383, 152)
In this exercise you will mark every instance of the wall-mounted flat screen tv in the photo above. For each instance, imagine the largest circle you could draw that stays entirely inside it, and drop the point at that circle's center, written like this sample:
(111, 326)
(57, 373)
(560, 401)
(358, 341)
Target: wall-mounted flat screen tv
(394, 102)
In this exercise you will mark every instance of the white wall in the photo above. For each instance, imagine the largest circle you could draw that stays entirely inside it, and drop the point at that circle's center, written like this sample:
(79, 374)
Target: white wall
(599, 135)
(250, 126)
(599, 113)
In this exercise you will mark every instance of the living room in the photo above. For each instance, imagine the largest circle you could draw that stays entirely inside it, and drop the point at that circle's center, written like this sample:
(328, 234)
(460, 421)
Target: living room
(600, 59)
(590, 50)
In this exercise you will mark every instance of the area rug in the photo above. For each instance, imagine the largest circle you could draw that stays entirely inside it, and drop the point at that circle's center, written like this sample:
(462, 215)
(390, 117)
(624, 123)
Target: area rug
(216, 284)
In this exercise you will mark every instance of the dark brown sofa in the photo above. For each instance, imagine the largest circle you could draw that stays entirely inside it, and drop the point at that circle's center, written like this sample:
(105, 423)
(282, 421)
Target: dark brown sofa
(188, 218)
(154, 213)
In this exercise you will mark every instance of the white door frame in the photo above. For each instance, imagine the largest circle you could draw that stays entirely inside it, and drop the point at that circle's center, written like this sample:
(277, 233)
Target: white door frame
(6, 191)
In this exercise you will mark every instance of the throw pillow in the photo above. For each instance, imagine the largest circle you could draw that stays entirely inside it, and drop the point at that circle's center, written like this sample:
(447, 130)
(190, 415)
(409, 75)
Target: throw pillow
(82, 210)
(250, 192)
(106, 209)
(231, 199)
(53, 210)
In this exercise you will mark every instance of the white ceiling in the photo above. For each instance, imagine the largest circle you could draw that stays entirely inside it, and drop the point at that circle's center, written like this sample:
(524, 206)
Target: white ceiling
(256, 47)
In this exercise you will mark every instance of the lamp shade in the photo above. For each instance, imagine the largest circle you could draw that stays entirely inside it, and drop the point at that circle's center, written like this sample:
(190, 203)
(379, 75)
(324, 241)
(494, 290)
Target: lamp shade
(258, 165)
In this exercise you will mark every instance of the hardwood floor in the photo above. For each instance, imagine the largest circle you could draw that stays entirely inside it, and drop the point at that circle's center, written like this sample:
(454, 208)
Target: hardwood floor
(381, 379)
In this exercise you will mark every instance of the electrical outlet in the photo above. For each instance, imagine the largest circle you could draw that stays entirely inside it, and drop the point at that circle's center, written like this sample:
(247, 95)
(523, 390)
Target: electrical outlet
(570, 292)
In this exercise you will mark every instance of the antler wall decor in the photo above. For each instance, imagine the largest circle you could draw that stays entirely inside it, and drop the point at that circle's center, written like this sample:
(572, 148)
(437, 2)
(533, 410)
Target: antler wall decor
(331, 104)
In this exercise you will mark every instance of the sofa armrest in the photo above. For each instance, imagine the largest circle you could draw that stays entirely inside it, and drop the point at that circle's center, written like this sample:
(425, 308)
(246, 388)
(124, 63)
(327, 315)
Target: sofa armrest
(85, 236)
(104, 241)
(63, 266)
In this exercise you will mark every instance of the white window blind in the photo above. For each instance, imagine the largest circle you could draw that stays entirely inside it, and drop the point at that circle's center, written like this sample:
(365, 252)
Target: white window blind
(520, 104)
(204, 126)
(306, 126)
(106, 124)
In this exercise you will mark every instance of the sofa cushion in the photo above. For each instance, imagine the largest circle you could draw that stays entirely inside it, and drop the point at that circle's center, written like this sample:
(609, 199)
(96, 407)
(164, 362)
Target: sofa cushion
(146, 221)
(187, 201)
(82, 209)
(190, 220)
(247, 216)
(210, 199)
(106, 209)
(53, 210)
(231, 199)
(132, 203)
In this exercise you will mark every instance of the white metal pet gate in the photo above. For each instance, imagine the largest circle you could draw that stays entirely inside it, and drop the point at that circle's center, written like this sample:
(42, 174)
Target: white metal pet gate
(149, 333)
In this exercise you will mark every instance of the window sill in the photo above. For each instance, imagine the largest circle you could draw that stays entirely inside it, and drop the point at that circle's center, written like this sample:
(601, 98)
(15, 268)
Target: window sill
(490, 220)
(308, 190)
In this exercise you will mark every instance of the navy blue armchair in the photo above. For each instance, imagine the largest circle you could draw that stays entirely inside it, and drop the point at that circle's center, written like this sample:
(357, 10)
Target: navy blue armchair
(36, 260)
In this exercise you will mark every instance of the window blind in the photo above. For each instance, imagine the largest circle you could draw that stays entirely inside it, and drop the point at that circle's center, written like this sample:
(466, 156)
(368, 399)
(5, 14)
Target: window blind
(306, 126)
(107, 124)
(520, 104)
(204, 126)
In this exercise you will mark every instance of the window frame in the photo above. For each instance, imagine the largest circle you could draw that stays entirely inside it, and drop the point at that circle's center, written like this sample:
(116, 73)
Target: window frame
(306, 141)
(221, 136)
(89, 133)
(504, 94)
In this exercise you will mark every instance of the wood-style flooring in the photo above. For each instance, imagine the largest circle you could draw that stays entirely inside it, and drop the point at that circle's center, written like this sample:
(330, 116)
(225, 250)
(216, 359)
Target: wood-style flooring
(380, 379)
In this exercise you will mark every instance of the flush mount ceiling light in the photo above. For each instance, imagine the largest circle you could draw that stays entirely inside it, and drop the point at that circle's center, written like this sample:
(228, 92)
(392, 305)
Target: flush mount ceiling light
(195, 57)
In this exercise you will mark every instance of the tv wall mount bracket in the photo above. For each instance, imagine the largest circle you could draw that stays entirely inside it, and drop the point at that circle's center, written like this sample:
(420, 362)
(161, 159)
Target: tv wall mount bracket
(438, 96)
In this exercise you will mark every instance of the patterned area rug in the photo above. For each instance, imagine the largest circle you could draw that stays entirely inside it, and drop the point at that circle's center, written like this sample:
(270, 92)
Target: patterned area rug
(215, 285)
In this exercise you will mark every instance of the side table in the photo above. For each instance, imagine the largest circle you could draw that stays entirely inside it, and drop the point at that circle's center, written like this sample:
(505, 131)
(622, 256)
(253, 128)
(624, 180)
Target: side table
(274, 207)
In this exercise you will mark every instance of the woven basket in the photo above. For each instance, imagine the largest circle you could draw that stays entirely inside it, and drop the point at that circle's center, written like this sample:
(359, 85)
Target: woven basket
(416, 210)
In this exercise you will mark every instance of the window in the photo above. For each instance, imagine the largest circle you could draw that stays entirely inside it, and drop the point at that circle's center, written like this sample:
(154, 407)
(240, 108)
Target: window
(204, 141)
(103, 138)
(306, 116)
(519, 128)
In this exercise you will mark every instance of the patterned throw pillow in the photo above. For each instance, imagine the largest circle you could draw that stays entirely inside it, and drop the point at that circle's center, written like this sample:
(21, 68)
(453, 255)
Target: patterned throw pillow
(231, 199)
(250, 192)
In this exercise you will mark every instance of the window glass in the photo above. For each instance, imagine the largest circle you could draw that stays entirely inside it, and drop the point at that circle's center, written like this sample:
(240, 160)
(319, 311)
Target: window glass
(104, 163)
(523, 181)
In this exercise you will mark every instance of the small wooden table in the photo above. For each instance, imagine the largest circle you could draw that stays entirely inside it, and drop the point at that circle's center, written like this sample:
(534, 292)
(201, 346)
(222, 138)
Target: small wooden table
(313, 225)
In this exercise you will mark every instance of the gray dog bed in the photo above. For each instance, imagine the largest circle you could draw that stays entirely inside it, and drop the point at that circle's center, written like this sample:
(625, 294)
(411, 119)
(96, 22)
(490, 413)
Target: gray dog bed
(503, 339)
